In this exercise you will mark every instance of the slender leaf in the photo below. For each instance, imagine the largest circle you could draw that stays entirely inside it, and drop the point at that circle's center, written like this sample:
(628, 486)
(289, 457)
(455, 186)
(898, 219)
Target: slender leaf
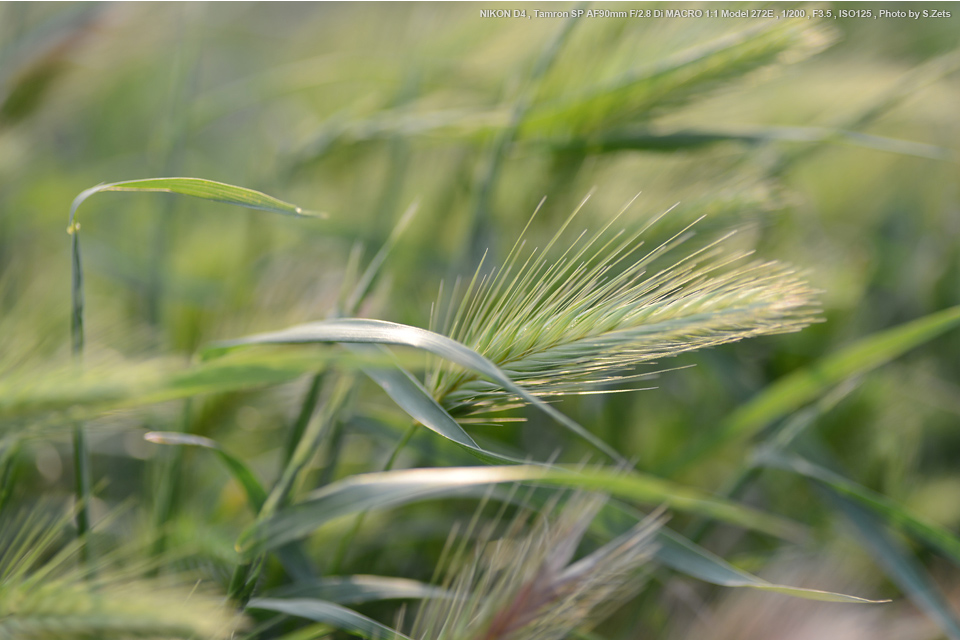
(313, 632)
(640, 92)
(382, 332)
(256, 495)
(197, 188)
(650, 140)
(410, 395)
(394, 488)
(27, 395)
(898, 562)
(680, 554)
(800, 387)
(327, 613)
(892, 513)
(359, 589)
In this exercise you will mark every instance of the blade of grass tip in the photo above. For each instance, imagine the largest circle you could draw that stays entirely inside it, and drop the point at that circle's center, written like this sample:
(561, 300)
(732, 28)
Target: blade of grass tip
(361, 330)
(690, 559)
(681, 554)
(806, 384)
(893, 514)
(363, 284)
(359, 589)
(331, 614)
(897, 561)
(240, 472)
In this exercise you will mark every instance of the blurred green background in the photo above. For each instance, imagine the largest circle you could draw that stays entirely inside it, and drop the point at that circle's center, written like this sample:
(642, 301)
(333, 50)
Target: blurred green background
(827, 143)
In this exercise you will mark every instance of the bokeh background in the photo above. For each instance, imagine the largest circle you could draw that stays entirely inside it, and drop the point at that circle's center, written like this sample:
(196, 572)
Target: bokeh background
(826, 143)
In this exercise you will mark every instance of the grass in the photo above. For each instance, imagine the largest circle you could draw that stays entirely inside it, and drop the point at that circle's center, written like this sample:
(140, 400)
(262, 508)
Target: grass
(273, 427)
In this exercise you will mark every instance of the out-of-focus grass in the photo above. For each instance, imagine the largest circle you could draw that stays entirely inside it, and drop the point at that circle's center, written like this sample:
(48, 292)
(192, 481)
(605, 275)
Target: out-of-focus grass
(359, 111)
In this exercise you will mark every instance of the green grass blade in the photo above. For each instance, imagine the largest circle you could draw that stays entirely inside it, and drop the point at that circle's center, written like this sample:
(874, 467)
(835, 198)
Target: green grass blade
(359, 589)
(404, 389)
(328, 613)
(197, 188)
(800, 387)
(650, 140)
(395, 488)
(313, 632)
(899, 564)
(680, 554)
(62, 391)
(636, 94)
(256, 495)
(892, 513)
(382, 332)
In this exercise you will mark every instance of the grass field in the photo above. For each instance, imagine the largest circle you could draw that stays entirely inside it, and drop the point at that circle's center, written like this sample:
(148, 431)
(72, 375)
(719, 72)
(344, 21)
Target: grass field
(393, 320)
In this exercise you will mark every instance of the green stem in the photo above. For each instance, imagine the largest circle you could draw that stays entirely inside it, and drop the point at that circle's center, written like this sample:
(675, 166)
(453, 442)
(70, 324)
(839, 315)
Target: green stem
(489, 174)
(336, 392)
(307, 409)
(81, 458)
(358, 521)
(8, 472)
(169, 484)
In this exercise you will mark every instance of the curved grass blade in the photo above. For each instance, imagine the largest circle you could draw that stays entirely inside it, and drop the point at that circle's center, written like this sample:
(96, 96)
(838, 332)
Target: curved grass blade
(394, 488)
(638, 93)
(412, 397)
(313, 632)
(649, 140)
(256, 495)
(28, 395)
(197, 188)
(382, 332)
(899, 564)
(358, 589)
(328, 613)
(680, 554)
(892, 513)
(800, 387)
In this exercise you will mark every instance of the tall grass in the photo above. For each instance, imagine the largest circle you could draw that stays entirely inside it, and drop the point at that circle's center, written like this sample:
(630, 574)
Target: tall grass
(276, 422)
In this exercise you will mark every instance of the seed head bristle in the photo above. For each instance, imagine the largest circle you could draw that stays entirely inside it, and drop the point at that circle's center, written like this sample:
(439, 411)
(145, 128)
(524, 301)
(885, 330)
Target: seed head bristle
(580, 321)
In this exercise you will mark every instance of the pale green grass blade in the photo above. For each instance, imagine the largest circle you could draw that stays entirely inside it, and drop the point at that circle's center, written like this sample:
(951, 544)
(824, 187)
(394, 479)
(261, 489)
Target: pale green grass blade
(328, 613)
(382, 332)
(680, 554)
(358, 589)
(395, 488)
(891, 513)
(650, 140)
(197, 188)
(638, 92)
(410, 395)
(898, 562)
(313, 632)
(800, 387)
(256, 495)
(29, 395)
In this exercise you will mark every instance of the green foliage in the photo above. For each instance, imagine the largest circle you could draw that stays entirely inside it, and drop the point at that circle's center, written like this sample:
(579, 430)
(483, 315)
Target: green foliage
(290, 361)
(44, 593)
